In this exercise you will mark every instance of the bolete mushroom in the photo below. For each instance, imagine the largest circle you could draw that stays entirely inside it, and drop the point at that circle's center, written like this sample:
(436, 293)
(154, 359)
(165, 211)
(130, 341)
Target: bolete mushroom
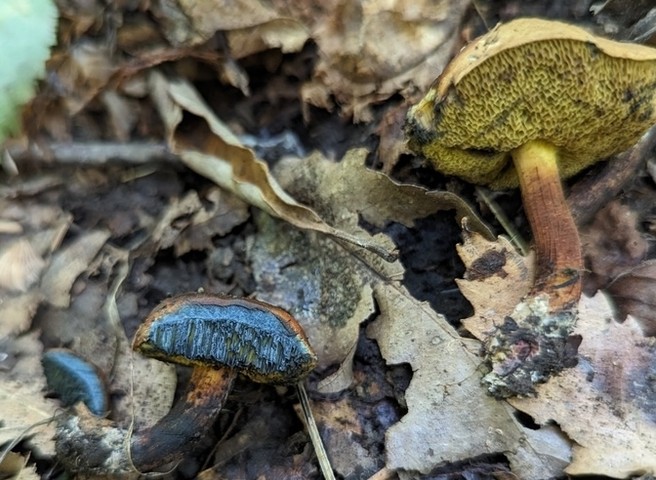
(528, 104)
(219, 337)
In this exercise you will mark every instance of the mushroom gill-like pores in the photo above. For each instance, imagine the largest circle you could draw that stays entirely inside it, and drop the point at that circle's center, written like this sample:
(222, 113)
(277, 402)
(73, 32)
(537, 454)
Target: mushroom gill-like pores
(528, 104)
(219, 337)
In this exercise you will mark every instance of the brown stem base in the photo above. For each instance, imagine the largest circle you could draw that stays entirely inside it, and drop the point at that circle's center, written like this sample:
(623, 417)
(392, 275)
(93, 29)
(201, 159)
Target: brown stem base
(88, 444)
(529, 347)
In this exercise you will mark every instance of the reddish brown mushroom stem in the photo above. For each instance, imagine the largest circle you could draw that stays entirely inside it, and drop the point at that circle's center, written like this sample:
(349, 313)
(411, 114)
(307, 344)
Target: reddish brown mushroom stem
(555, 235)
(179, 430)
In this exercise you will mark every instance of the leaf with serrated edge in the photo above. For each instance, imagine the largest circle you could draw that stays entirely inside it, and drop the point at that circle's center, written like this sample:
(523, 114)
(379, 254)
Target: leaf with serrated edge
(450, 418)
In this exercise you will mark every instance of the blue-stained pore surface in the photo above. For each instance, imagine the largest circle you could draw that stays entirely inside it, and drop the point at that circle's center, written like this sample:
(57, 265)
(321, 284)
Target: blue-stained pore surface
(74, 379)
(253, 340)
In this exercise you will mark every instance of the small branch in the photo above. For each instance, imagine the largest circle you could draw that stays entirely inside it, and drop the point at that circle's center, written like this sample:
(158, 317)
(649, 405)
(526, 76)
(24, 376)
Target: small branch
(94, 153)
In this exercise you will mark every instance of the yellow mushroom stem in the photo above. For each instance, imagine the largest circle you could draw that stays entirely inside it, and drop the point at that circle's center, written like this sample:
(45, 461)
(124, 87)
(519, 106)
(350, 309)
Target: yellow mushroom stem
(556, 238)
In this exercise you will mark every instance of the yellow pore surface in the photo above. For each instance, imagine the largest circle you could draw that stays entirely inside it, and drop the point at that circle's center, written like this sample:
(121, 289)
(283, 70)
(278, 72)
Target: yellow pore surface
(590, 105)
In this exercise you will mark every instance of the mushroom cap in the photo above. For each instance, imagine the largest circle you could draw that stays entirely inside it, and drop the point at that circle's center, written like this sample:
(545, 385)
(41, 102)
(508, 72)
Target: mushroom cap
(259, 340)
(533, 79)
(74, 379)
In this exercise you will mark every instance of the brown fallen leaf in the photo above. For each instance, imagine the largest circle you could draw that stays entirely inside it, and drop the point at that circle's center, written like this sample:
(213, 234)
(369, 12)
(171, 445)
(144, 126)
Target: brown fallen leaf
(20, 266)
(497, 278)
(17, 312)
(213, 151)
(68, 263)
(345, 435)
(450, 417)
(369, 51)
(613, 245)
(219, 213)
(347, 190)
(325, 284)
(24, 412)
(14, 465)
(615, 251)
(250, 26)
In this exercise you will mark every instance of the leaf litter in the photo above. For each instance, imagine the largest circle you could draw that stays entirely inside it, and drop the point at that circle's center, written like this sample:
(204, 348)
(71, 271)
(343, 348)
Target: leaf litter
(345, 295)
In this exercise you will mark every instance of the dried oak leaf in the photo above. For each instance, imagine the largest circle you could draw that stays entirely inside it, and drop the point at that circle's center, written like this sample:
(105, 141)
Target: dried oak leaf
(333, 302)
(603, 404)
(450, 417)
(347, 192)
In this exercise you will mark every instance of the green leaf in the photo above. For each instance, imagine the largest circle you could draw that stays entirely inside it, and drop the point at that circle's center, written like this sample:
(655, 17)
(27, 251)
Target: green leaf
(27, 31)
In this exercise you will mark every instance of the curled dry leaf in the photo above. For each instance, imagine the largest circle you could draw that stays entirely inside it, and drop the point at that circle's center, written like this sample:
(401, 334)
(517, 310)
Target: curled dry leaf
(216, 153)
(68, 263)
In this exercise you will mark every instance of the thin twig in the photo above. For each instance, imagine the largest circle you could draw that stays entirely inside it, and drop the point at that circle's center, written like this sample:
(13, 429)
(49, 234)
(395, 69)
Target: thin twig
(311, 424)
(502, 218)
(94, 153)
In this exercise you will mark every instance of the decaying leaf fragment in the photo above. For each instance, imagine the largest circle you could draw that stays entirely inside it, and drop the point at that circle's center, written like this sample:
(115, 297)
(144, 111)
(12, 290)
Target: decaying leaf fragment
(317, 280)
(24, 412)
(370, 50)
(616, 250)
(346, 190)
(634, 293)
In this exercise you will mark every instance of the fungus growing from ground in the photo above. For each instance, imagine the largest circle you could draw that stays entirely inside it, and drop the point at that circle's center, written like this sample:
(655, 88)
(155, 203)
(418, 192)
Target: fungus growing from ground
(528, 104)
(219, 337)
